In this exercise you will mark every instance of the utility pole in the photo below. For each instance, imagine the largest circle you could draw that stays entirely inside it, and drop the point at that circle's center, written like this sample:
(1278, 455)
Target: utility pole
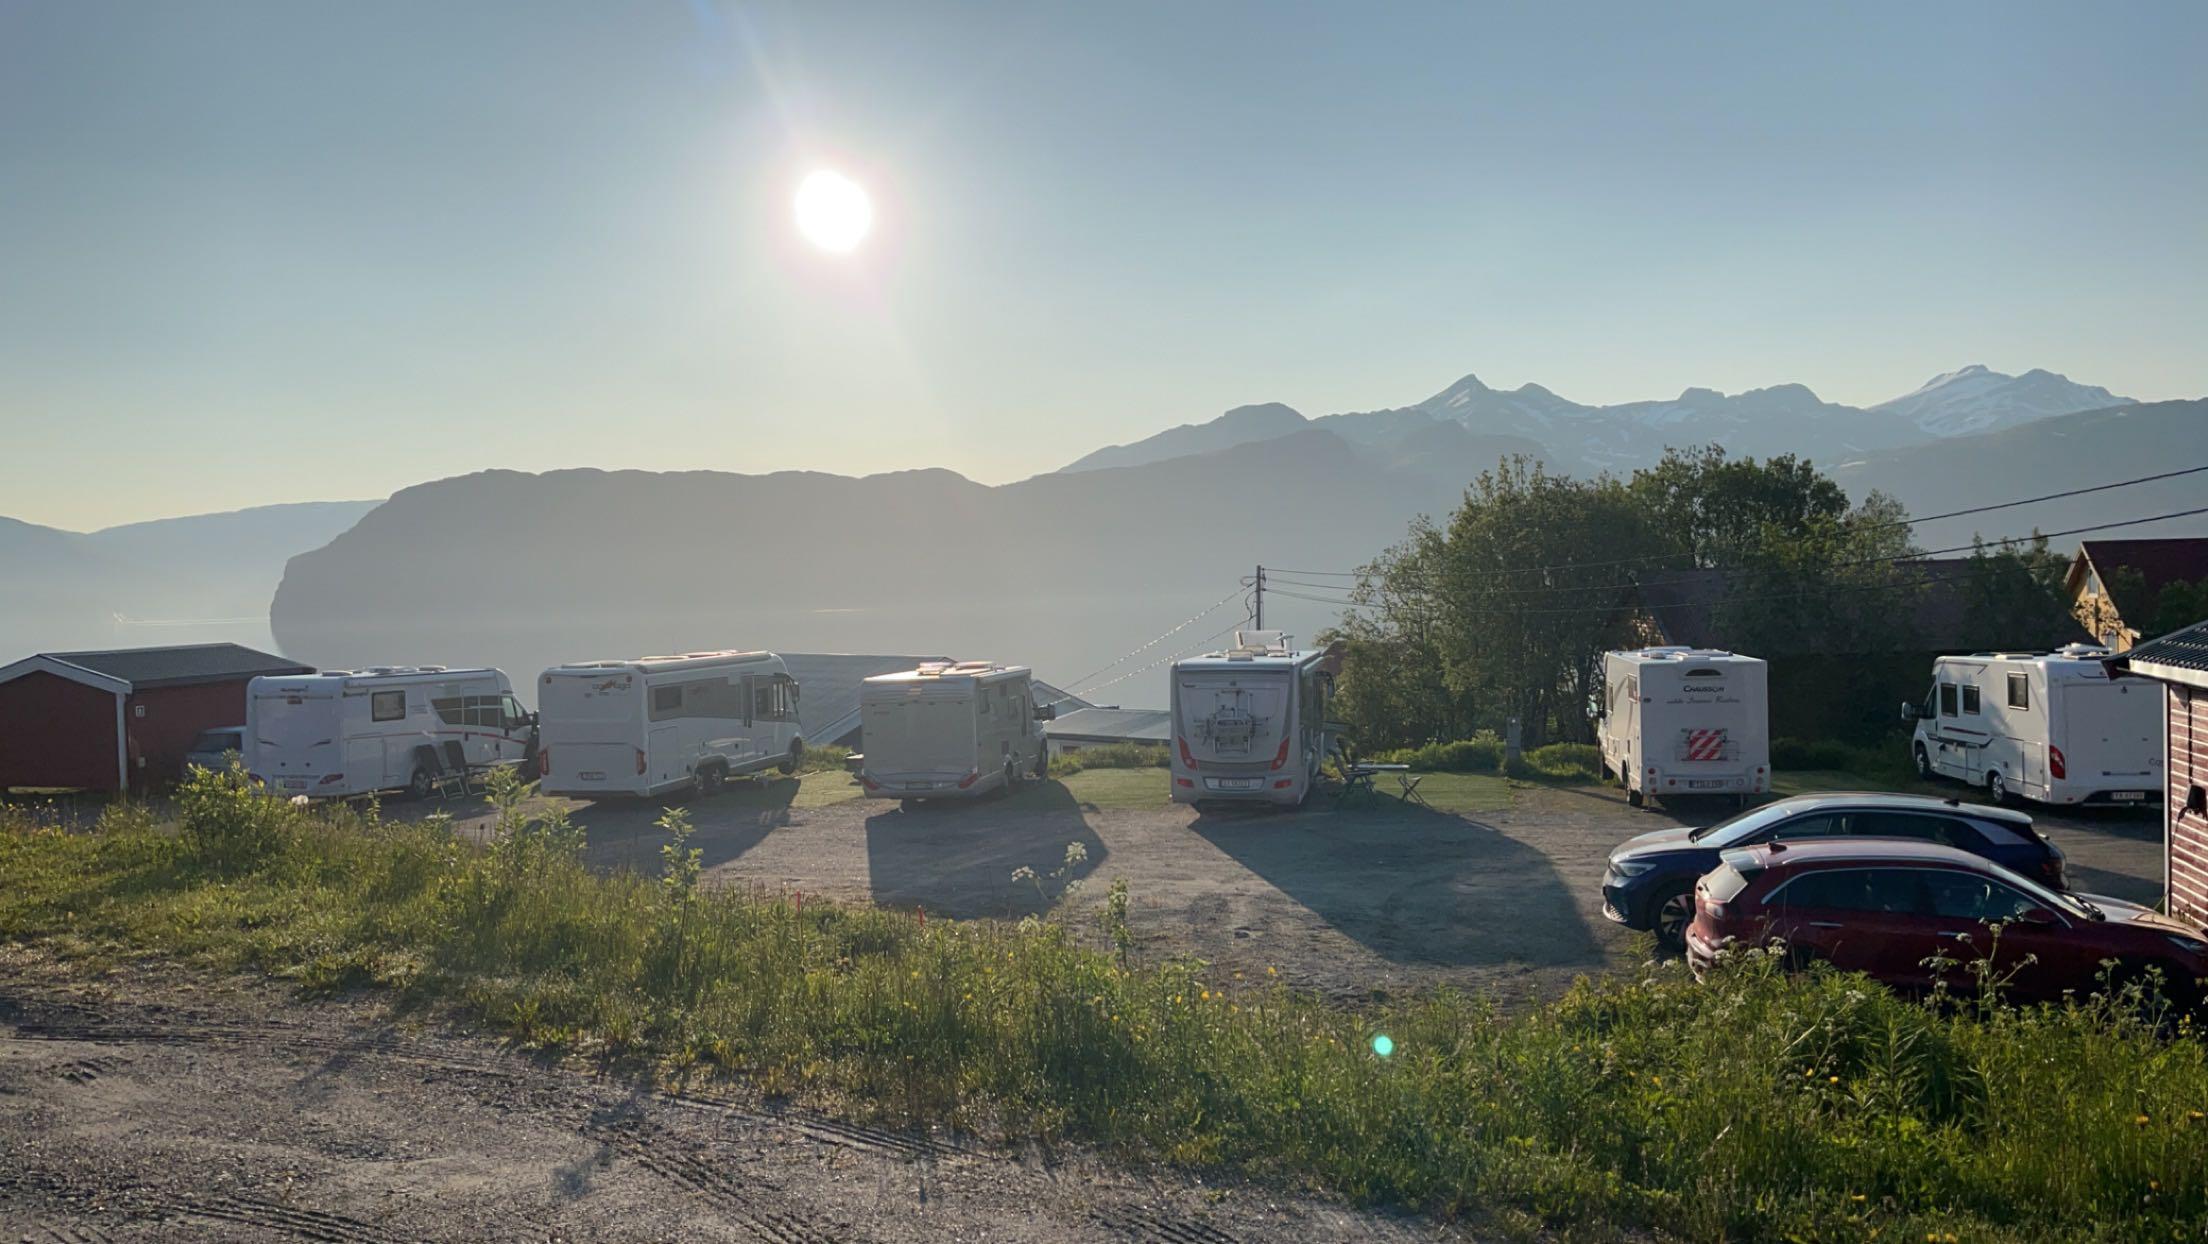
(1257, 607)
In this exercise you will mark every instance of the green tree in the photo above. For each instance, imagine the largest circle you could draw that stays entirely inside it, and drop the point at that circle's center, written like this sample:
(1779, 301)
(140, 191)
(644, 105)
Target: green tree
(2178, 605)
(2014, 594)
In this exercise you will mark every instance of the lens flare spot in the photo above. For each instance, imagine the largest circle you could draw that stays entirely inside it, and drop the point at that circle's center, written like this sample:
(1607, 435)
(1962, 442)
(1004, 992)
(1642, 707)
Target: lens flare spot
(1383, 1044)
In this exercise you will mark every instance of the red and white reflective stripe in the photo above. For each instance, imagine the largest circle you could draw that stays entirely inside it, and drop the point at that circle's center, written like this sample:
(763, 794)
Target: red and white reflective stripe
(1705, 744)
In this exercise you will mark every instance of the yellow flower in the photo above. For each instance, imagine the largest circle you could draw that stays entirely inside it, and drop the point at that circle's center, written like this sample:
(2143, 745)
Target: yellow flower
(1858, 1198)
(1658, 1081)
(2195, 1115)
(2141, 1120)
(1272, 971)
(1207, 995)
(1832, 1079)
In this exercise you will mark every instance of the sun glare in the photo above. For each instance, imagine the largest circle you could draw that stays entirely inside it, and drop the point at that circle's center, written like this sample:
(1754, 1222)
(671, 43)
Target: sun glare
(833, 211)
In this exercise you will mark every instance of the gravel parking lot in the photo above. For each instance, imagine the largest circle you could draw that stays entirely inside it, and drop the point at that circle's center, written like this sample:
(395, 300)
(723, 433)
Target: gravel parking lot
(1495, 889)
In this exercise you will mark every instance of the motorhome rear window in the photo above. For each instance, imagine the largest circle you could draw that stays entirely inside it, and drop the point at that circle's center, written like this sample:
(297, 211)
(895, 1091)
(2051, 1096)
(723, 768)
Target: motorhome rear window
(2020, 691)
(387, 705)
(1704, 673)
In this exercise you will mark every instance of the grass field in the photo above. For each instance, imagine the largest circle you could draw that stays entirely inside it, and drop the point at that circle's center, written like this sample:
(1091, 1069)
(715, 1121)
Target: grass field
(1761, 1106)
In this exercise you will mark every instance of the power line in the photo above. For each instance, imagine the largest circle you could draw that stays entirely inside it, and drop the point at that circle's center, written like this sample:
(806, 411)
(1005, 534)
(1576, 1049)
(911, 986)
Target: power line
(1169, 657)
(1144, 647)
(1878, 526)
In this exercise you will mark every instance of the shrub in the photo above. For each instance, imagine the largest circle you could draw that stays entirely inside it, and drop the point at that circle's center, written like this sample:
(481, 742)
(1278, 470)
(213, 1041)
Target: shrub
(1885, 764)
(824, 759)
(226, 826)
(1110, 756)
(1560, 762)
(1482, 753)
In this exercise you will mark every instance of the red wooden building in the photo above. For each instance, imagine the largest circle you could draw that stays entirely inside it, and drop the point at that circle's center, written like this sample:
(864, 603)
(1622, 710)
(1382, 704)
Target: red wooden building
(122, 719)
(2179, 661)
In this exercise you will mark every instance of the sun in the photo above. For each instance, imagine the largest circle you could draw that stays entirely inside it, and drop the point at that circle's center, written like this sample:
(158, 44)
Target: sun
(833, 211)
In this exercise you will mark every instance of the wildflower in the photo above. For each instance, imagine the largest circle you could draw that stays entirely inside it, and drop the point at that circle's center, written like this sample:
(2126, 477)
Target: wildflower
(1832, 1079)
(1658, 1081)
(2141, 1120)
(1858, 1198)
(1207, 995)
(1272, 971)
(2195, 1115)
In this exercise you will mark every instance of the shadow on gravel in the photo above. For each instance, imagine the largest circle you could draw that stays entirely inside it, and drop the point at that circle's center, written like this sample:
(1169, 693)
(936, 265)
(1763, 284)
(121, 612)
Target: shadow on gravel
(621, 833)
(957, 858)
(1412, 885)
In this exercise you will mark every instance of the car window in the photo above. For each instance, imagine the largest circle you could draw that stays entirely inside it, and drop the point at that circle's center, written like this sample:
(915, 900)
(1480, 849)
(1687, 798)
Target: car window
(1953, 895)
(1814, 825)
(1891, 890)
(1918, 827)
(1741, 826)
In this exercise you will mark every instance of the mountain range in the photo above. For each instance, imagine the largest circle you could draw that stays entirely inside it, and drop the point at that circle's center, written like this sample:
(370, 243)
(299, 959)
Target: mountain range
(1582, 439)
(1062, 570)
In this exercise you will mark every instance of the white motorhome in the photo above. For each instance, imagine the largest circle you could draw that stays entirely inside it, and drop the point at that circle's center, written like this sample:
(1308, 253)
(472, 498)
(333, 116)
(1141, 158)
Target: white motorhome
(1685, 721)
(1250, 723)
(950, 730)
(2046, 726)
(659, 724)
(339, 734)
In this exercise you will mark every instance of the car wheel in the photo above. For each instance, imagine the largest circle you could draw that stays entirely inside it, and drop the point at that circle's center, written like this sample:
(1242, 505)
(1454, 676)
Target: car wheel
(1674, 911)
(1997, 788)
(1924, 764)
(797, 755)
(708, 779)
(419, 786)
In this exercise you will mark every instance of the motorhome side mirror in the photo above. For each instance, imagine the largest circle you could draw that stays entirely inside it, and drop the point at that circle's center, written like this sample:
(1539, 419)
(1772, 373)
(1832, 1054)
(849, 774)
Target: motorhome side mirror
(1046, 712)
(1908, 710)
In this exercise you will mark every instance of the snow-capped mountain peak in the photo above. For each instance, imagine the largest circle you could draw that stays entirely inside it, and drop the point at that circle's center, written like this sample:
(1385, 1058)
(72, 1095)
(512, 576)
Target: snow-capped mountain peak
(1977, 398)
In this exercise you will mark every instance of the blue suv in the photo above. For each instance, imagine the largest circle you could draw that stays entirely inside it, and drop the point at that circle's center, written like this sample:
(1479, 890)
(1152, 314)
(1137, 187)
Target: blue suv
(1650, 882)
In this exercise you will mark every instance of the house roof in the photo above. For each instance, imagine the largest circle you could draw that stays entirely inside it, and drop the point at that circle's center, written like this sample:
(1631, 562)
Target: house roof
(141, 669)
(1111, 725)
(2157, 562)
(2180, 656)
(1684, 605)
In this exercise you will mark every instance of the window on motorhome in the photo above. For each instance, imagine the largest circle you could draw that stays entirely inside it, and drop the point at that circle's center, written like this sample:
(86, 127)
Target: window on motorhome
(2020, 691)
(1947, 699)
(1970, 700)
(983, 697)
(666, 701)
(451, 709)
(387, 705)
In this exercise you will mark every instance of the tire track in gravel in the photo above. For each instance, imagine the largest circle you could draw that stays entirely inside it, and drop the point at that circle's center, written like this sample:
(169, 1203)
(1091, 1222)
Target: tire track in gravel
(1152, 1228)
(673, 1159)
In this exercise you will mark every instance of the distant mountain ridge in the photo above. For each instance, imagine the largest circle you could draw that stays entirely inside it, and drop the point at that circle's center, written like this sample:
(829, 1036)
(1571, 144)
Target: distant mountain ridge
(169, 580)
(1578, 438)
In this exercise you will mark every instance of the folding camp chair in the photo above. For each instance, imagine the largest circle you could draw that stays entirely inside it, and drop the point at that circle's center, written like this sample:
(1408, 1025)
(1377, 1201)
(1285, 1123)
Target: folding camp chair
(456, 764)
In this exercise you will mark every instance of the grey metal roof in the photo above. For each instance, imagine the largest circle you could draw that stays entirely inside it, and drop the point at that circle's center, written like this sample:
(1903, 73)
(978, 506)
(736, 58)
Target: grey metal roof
(2186, 650)
(145, 668)
(1111, 725)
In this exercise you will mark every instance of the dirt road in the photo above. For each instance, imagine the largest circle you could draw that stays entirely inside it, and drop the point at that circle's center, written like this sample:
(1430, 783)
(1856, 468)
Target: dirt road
(139, 1109)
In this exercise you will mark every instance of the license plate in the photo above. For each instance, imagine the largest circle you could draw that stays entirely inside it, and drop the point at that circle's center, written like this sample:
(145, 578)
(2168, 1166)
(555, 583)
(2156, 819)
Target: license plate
(1706, 784)
(295, 784)
(1235, 783)
(2129, 796)
(592, 775)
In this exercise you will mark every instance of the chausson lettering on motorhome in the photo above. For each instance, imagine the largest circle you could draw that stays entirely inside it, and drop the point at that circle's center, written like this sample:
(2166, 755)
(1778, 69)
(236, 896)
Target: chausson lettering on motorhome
(1685, 721)
(1249, 724)
(2045, 726)
(338, 734)
(950, 730)
(659, 724)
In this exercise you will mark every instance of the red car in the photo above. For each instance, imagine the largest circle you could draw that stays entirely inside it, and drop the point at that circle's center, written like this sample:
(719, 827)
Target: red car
(1886, 907)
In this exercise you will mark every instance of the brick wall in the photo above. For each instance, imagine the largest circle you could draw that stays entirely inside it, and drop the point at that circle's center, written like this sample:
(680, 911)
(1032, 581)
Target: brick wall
(2188, 829)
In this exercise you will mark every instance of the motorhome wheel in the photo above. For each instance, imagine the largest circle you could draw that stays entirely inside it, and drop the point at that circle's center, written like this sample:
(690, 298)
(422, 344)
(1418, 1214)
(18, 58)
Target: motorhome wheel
(1042, 763)
(1997, 787)
(708, 779)
(1634, 798)
(1924, 764)
(419, 786)
(797, 755)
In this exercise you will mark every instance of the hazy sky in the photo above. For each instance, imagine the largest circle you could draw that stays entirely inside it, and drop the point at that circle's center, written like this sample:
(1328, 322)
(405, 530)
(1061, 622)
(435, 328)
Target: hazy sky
(261, 252)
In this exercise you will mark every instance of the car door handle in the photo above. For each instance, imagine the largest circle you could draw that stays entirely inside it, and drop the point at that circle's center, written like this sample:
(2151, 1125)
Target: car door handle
(1824, 924)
